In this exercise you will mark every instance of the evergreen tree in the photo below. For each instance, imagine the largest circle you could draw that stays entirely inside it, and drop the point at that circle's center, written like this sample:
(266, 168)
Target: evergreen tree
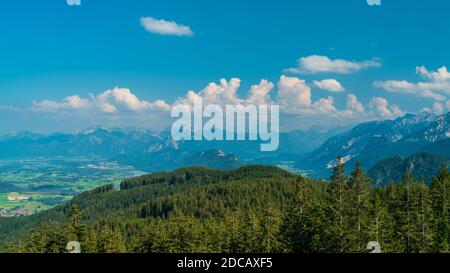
(111, 241)
(270, 230)
(424, 219)
(254, 209)
(381, 223)
(301, 224)
(406, 211)
(440, 193)
(338, 210)
(250, 234)
(397, 211)
(78, 231)
(360, 209)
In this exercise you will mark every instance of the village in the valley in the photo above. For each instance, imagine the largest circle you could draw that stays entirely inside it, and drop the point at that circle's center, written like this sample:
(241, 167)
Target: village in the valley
(21, 210)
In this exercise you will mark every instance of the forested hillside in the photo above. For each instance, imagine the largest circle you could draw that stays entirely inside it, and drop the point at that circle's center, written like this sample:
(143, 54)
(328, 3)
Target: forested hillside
(250, 209)
(421, 166)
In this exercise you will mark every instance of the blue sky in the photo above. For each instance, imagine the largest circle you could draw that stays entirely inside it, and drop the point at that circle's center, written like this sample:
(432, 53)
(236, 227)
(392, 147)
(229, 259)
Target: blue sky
(51, 51)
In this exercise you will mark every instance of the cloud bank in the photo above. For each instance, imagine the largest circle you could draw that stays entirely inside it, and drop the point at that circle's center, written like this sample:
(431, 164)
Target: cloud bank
(110, 101)
(294, 95)
(436, 86)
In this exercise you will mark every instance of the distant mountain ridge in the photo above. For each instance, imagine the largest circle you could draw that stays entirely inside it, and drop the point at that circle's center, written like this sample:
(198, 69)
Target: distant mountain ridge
(150, 151)
(314, 151)
(374, 141)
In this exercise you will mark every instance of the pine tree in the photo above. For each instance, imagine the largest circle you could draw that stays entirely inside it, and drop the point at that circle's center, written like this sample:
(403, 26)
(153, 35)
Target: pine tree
(424, 219)
(360, 205)
(338, 210)
(406, 211)
(76, 230)
(381, 223)
(89, 242)
(111, 241)
(270, 230)
(396, 211)
(440, 193)
(55, 240)
(250, 233)
(298, 225)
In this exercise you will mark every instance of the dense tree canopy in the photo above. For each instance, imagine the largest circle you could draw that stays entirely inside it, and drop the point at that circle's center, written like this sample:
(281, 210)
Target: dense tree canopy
(251, 209)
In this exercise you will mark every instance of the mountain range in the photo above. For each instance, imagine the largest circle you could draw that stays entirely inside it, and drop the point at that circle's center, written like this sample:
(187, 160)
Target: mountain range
(371, 142)
(314, 150)
(151, 151)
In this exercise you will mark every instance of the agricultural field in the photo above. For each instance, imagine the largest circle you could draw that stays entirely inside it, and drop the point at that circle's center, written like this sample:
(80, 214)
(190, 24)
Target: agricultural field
(48, 182)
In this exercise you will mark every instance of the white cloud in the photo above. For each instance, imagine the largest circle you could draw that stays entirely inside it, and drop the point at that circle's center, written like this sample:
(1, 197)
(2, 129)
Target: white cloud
(221, 94)
(396, 86)
(110, 101)
(432, 95)
(380, 107)
(72, 102)
(437, 87)
(164, 27)
(293, 93)
(315, 64)
(331, 85)
(113, 99)
(441, 74)
(353, 105)
(259, 94)
(324, 106)
(294, 96)
(73, 2)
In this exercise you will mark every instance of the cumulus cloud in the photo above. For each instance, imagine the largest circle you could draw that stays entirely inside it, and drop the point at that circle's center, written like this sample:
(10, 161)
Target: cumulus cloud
(164, 27)
(437, 86)
(293, 94)
(295, 97)
(110, 101)
(331, 85)
(441, 74)
(221, 94)
(73, 2)
(114, 99)
(259, 94)
(72, 102)
(315, 64)
(324, 106)
(380, 107)
(353, 105)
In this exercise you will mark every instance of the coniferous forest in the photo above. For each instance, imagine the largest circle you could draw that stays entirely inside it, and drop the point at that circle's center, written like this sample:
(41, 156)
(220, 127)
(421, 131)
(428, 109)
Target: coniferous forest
(253, 209)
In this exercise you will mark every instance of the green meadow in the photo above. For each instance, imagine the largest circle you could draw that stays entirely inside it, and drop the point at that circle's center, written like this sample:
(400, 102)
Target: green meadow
(52, 181)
